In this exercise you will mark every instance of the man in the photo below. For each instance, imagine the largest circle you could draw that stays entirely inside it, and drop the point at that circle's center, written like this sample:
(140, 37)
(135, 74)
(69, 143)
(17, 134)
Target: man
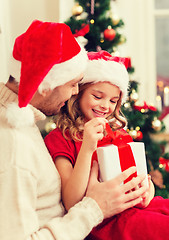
(47, 65)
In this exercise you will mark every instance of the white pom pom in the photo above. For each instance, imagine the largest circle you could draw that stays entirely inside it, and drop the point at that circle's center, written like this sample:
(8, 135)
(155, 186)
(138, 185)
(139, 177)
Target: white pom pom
(82, 40)
(19, 117)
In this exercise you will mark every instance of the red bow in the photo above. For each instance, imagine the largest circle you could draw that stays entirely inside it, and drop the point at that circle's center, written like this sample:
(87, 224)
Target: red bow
(108, 57)
(165, 163)
(83, 31)
(119, 138)
(145, 106)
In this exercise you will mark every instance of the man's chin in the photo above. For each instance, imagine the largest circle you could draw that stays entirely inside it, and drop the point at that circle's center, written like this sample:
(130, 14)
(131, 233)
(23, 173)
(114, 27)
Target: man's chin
(50, 114)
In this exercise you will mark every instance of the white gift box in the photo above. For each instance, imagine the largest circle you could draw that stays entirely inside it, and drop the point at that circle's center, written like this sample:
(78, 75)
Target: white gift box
(109, 161)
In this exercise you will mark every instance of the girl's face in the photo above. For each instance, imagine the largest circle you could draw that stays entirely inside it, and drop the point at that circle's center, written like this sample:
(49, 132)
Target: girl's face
(99, 100)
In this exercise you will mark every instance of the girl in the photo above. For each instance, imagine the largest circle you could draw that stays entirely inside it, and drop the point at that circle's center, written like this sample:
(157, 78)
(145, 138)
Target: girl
(81, 125)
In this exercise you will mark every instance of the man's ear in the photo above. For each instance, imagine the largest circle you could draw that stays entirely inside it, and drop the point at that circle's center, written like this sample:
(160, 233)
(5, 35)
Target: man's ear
(45, 89)
(46, 92)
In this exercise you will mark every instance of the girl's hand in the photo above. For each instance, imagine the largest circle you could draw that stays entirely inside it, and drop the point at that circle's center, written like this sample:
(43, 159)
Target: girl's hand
(93, 132)
(148, 195)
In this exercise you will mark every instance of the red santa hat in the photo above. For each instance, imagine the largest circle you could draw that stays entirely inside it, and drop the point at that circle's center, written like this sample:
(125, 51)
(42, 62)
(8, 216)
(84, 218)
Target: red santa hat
(102, 66)
(44, 57)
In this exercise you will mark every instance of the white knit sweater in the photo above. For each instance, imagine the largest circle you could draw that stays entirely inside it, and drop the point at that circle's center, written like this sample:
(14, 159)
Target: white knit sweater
(30, 187)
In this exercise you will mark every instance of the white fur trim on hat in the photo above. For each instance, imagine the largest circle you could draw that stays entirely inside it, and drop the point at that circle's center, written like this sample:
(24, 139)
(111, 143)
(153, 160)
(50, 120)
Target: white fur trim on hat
(109, 71)
(64, 72)
(19, 117)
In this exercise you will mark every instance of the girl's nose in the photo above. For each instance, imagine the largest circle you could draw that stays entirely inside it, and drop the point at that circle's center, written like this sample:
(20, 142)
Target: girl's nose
(104, 105)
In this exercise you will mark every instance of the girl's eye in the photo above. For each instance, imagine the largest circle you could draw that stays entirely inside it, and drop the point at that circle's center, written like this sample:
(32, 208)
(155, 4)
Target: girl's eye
(112, 101)
(97, 97)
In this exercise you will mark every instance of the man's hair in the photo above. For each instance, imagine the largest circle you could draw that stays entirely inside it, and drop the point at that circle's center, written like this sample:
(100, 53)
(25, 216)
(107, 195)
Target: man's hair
(11, 79)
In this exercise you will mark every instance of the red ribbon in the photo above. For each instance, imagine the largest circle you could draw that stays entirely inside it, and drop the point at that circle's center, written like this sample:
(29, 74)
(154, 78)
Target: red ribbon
(120, 138)
(108, 57)
(83, 31)
(165, 163)
(146, 107)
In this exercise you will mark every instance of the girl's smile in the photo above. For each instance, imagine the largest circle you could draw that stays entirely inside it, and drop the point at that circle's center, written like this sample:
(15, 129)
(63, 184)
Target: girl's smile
(99, 113)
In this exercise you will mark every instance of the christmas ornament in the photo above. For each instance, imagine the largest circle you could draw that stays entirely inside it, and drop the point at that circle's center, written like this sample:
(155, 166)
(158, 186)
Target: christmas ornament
(133, 133)
(77, 9)
(115, 19)
(139, 136)
(164, 163)
(98, 48)
(122, 39)
(49, 126)
(84, 15)
(133, 96)
(109, 33)
(156, 124)
(78, 18)
(127, 105)
(137, 128)
(101, 37)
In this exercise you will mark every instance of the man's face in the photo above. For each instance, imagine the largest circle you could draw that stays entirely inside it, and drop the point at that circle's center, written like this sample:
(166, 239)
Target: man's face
(50, 105)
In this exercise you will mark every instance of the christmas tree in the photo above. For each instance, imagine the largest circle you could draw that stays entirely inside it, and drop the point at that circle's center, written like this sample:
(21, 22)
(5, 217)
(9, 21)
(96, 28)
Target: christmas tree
(103, 26)
(97, 27)
(143, 124)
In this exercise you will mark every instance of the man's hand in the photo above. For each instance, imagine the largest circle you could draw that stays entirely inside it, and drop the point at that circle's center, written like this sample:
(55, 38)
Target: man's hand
(148, 195)
(112, 196)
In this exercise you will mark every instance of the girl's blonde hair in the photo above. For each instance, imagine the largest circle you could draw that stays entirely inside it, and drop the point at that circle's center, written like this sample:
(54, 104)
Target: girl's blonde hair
(71, 119)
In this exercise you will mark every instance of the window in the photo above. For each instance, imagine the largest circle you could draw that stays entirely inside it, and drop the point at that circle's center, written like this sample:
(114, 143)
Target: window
(161, 14)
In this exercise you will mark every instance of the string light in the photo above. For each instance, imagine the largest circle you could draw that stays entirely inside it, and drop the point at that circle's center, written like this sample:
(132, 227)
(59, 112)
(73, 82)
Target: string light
(92, 21)
(137, 128)
(161, 165)
(142, 110)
